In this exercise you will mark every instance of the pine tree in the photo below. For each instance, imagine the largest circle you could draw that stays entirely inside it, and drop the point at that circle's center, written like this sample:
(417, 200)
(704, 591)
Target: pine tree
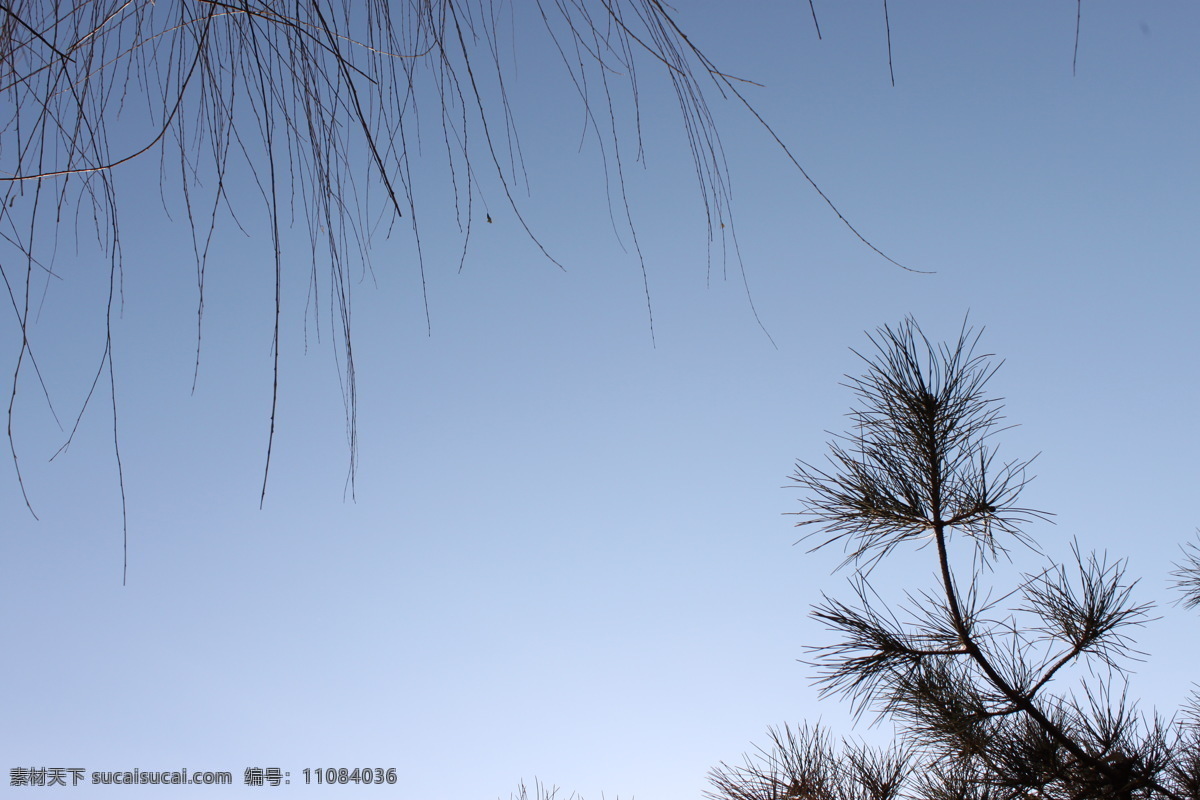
(971, 683)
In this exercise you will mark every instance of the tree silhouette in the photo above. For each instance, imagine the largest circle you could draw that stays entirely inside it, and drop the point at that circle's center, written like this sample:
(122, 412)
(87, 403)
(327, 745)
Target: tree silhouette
(968, 681)
(319, 108)
(541, 791)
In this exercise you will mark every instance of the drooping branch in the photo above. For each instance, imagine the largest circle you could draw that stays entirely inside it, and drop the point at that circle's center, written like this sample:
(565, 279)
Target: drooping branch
(312, 109)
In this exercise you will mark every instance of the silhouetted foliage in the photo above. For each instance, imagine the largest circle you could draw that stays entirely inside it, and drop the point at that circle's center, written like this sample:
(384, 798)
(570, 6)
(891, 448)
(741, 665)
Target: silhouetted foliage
(316, 112)
(541, 791)
(968, 683)
(804, 765)
(1187, 576)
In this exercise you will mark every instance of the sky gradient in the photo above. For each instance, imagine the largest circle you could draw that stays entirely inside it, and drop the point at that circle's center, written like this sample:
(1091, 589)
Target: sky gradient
(567, 555)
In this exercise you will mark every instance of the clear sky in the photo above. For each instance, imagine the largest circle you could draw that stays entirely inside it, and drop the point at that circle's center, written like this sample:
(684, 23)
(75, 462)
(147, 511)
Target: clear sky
(568, 556)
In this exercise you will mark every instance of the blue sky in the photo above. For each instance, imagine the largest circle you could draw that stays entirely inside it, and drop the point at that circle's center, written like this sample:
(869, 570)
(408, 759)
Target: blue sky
(568, 556)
